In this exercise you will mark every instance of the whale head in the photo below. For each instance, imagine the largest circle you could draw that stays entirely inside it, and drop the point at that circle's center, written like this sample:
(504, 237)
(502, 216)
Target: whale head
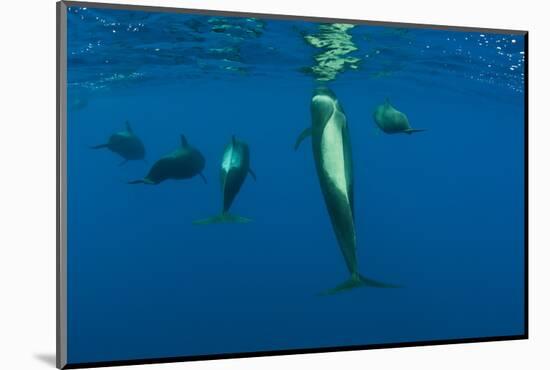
(390, 120)
(323, 104)
(324, 91)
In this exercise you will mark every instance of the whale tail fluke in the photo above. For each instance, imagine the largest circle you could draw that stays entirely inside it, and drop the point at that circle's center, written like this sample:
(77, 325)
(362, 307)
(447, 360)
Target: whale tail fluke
(356, 281)
(99, 146)
(413, 130)
(223, 219)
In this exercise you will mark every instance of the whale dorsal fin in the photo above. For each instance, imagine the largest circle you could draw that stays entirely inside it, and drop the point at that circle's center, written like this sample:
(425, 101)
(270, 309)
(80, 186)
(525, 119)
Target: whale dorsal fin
(184, 142)
(252, 173)
(203, 177)
(128, 127)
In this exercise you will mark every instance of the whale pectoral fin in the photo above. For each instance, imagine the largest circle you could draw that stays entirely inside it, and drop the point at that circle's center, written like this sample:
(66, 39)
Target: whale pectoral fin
(142, 181)
(355, 281)
(301, 137)
(252, 173)
(128, 127)
(203, 178)
(184, 143)
(123, 162)
(413, 130)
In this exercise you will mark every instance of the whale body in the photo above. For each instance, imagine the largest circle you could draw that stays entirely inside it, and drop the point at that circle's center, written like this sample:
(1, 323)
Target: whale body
(392, 121)
(126, 144)
(235, 167)
(183, 163)
(333, 162)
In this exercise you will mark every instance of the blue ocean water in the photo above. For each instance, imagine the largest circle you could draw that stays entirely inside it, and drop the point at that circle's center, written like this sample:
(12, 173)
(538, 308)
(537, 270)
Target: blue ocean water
(439, 212)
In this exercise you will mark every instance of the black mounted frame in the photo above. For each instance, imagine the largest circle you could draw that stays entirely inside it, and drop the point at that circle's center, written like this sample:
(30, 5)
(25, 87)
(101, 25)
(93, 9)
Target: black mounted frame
(61, 261)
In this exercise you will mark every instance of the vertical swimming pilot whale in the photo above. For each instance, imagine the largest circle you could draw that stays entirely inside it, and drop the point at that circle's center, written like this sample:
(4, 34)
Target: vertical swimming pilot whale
(332, 155)
(126, 144)
(234, 168)
(392, 121)
(183, 163)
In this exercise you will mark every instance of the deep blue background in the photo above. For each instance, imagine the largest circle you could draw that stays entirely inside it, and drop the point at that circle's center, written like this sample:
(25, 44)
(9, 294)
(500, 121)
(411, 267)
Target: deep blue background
(439, 212)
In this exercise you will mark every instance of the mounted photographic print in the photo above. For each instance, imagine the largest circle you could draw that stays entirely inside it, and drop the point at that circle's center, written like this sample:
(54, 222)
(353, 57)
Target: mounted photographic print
(234, 185)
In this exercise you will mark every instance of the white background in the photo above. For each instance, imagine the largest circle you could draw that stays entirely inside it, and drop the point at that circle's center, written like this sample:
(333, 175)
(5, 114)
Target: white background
(27, 182)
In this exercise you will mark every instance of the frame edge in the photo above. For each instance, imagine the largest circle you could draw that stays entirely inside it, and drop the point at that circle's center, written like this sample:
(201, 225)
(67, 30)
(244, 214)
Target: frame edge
(61, 235)
(61, 188)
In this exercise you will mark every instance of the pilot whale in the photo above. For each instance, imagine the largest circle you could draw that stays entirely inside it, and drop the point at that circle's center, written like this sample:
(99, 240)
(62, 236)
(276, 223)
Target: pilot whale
(234, 168)
(126, 144)
(333, 162)
(183, 163)
(392, 121)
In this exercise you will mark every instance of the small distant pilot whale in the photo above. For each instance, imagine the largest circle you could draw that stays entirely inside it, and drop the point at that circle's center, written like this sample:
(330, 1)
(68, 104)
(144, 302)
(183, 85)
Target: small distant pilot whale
(183, 163)
(234, 168)
(77, 103)
(126, 144)
(392, 121)
(332, 155)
